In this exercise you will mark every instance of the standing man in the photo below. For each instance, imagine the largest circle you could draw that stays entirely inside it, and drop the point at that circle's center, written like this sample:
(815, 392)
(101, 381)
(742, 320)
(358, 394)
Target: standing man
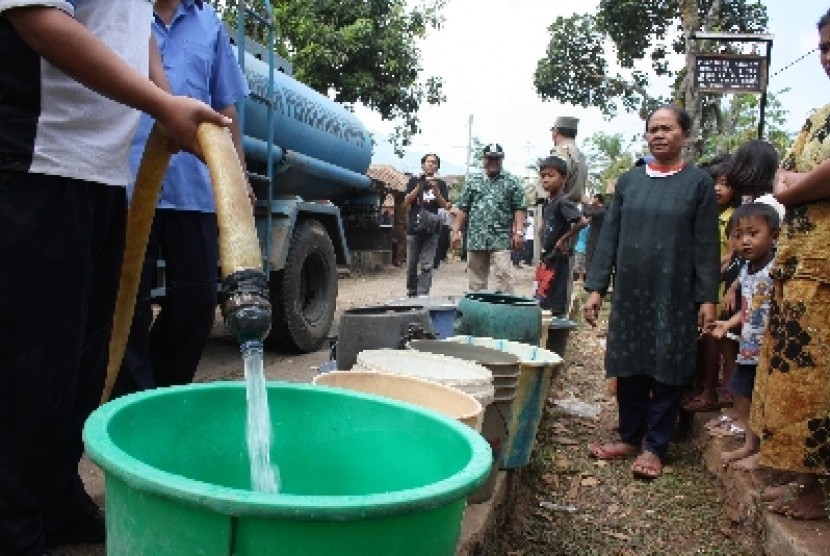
(199, 63)
(563, 133)
(427, 192)
(69, 71)
(493, 204)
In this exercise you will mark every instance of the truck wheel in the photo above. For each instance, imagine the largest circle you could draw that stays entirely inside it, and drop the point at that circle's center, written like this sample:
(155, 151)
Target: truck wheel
(304, 292)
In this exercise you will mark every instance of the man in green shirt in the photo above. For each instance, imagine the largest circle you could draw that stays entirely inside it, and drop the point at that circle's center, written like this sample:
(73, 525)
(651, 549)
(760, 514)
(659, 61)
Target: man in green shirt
(493, 205)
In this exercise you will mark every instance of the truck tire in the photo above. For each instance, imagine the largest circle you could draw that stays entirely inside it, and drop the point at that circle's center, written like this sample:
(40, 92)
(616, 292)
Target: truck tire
(304, 292)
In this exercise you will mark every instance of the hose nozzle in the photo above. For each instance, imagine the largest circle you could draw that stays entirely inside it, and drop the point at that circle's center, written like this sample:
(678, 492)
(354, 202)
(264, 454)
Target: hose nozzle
(245, 305)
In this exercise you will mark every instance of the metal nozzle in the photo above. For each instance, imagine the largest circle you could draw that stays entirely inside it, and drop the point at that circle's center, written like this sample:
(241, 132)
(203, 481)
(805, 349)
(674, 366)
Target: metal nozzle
(245, 305)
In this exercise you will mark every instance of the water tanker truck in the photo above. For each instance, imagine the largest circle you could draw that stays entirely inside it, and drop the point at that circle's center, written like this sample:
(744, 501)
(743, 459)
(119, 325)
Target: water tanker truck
(306, 157)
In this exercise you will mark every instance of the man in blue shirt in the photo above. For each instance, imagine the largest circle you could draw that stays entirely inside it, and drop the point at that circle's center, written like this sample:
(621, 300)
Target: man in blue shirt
(199, 63)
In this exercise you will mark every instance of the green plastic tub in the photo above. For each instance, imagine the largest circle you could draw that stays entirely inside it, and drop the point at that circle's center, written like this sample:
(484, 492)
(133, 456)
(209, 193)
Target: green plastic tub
(499, 315)
(360, 474)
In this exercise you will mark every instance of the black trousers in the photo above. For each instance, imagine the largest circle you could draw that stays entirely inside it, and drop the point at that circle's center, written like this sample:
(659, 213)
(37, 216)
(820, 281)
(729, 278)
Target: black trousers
(443, 246)
(167, 351)
(648, 412)
(61, 245)
(556, 298)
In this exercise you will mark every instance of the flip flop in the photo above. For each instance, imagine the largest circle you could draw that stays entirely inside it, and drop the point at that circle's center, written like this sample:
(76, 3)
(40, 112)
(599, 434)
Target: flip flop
(601, 451)
(644, 467)
(719, 422)
(728, 430)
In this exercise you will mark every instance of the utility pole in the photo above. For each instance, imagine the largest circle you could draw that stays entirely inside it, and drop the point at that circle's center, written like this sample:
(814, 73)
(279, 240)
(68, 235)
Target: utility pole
(469, 146)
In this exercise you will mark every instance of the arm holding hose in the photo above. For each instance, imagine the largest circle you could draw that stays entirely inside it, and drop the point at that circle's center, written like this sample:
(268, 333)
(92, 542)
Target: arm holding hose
(48, 30)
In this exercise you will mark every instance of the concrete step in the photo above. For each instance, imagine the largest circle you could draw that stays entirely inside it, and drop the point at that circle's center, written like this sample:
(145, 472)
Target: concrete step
(482, 521)
(770, 533)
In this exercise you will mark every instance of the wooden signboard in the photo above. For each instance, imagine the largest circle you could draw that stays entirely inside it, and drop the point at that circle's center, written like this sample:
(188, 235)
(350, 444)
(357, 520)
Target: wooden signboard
(730, 73)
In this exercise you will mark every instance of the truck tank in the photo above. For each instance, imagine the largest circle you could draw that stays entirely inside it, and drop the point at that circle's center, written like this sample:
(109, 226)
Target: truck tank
(321, 150)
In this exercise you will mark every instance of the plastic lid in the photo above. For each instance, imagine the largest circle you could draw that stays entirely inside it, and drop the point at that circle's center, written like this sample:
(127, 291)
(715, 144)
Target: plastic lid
(528, 354)
(483, 355)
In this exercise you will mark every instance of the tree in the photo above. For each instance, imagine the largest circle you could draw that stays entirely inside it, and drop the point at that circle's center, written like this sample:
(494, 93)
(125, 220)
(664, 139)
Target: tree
(734, 122)
(360, 51)
(608, 158)
(575, 69)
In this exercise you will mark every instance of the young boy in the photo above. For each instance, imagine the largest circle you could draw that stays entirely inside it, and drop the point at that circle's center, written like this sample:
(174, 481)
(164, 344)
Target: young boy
(68, 70)
(562, 220)
(756, 227)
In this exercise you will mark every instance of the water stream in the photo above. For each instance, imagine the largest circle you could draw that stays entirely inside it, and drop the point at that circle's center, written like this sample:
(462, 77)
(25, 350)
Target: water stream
(265, 477)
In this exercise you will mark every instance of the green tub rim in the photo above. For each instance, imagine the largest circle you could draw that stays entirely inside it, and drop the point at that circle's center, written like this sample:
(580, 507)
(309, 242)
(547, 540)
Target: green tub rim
(238, 502)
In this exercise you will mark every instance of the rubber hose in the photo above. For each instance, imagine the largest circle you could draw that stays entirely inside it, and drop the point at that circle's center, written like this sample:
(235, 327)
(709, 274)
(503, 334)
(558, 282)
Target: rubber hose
(238, 242)
(142, 209)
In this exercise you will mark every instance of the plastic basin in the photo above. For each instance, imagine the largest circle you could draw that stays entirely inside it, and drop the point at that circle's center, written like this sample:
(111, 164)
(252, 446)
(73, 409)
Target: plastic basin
(538, 369)
(500, 363)
(466, 376)
(361, 474)
(449, 401)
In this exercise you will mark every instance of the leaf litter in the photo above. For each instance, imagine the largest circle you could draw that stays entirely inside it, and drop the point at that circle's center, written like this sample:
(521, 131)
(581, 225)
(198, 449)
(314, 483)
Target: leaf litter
(568, 503)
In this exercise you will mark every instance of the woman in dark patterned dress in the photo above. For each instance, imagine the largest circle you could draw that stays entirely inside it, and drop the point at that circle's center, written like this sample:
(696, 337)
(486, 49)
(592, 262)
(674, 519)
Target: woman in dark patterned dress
(660, 237)
(791, 412)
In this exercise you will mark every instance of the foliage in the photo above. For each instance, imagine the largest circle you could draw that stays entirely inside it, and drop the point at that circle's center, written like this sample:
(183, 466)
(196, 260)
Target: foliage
(735, 122)
(597, 59)
(609, 157)
(361, 51)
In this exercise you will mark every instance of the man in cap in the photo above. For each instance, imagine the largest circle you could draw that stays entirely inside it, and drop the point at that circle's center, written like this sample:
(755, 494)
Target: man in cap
(564, 146)
(493, 205)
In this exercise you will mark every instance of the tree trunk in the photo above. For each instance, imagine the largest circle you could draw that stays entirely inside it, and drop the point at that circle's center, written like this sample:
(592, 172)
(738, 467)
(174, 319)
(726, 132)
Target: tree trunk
(690, 22)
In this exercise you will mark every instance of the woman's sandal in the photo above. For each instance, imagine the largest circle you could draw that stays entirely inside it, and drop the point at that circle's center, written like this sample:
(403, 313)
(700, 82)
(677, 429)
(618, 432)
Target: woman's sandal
(611, 451)
(647, 466)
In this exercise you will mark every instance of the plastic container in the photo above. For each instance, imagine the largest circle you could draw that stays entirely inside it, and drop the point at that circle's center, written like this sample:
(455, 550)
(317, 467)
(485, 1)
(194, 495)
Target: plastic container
(538, 369)
(376, 327)
(432, 395)
(463, 375)
(498, 315)
(547, 319)
(468, 377)
(559, 331)
(500, 363)
(441, 311)
(361, 474)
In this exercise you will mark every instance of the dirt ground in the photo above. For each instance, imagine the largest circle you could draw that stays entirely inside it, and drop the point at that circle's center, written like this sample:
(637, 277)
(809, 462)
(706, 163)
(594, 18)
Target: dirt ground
(568, 503)
(612, 514)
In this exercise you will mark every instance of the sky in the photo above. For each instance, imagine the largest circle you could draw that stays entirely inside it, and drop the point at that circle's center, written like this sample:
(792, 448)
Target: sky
(487, 52)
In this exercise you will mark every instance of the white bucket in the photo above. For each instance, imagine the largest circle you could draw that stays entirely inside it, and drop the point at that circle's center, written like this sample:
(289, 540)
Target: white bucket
(468, 377)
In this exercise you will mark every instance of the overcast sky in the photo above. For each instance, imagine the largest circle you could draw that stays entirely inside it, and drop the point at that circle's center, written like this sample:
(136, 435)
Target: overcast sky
(487, 52)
